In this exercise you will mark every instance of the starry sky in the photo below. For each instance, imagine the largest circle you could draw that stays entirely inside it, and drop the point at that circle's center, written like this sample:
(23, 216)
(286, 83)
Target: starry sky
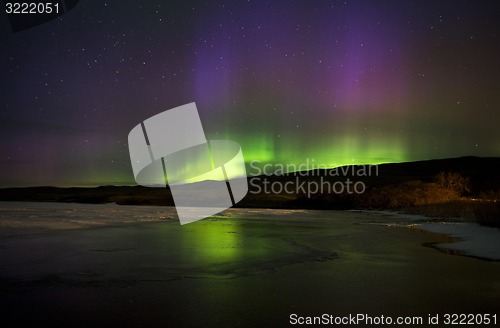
(339, 82)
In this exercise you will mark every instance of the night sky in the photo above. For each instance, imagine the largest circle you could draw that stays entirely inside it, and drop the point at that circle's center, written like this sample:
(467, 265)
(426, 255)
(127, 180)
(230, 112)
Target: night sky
(339, 82)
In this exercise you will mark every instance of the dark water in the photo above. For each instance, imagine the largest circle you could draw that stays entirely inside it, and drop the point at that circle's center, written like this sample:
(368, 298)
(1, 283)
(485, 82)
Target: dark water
(83, 265)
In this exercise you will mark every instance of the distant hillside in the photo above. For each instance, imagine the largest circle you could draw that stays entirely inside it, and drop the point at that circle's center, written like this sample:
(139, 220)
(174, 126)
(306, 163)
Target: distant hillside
(132, 195)
(483, 173)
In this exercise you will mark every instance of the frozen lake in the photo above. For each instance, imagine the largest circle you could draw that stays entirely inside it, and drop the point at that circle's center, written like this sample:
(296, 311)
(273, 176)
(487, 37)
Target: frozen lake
(77, 264)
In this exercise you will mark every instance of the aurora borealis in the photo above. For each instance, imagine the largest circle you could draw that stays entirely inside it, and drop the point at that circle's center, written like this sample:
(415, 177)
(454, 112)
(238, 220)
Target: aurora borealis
(339, 82)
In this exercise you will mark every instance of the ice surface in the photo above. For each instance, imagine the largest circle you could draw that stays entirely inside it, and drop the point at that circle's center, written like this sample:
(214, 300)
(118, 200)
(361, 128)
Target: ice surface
(66, 263)
(471, 239)
(62, 216)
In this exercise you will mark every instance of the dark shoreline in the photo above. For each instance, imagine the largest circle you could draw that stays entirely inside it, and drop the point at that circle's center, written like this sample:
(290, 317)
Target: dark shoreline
(483, 174)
